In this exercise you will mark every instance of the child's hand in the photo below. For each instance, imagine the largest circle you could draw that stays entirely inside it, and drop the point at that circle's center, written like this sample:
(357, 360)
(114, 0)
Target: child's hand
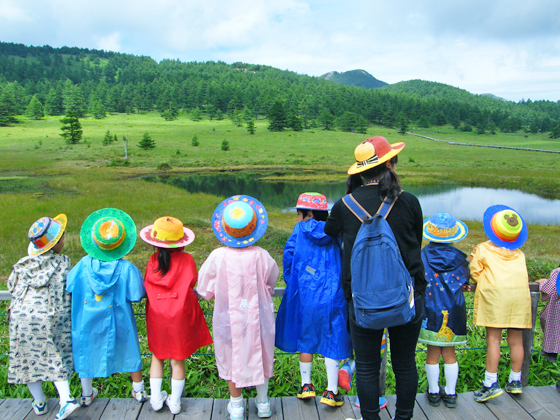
(466, 287)
(540, 280)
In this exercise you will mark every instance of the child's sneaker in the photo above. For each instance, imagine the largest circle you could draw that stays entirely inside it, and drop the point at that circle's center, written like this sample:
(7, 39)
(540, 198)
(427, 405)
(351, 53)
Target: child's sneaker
(67, 409)
(86, 401)
(40, 408)
(140, 396)
(174, 408)
(306, 391)
(332, 399)
(263, 409)
(345, 377)
(514, 387)
(487, 393)
(157, 404)
(434, 398)
(382, 402)
(450, 400)
(236, 412)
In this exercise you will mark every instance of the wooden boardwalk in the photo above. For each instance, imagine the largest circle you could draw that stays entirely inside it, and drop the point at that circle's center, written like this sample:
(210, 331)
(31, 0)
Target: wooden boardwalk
(542, 403)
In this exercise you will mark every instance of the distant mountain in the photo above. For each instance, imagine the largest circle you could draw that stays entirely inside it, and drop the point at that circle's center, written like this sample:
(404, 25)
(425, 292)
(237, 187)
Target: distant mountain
(360, 78)
(491, 95)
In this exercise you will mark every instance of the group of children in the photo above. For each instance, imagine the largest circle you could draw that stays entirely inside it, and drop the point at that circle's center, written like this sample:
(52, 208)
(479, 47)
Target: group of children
(64, 320)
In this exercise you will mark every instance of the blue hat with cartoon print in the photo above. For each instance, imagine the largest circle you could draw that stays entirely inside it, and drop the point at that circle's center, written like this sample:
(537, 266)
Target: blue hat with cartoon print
(239, 221)
(444, 228)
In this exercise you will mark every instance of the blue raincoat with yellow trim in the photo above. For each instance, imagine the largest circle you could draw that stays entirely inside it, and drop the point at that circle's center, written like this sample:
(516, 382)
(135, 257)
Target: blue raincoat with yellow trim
(447, 270)
(312, 317)
(104, 334)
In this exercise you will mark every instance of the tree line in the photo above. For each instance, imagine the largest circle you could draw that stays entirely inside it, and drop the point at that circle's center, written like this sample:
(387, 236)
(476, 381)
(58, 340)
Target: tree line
(94, 82)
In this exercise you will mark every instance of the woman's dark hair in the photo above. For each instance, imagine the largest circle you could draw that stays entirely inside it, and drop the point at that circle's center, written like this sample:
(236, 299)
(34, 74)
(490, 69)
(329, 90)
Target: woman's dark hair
(164, 261)
(389, 185)
(353, 182)
(320, 215)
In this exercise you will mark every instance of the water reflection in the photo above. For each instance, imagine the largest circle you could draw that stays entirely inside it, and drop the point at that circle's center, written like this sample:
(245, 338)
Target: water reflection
(463, 202)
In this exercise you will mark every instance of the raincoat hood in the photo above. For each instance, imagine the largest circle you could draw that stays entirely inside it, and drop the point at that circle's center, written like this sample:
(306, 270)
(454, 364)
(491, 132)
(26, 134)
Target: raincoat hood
(35, 271)
(503, 253)
(102, 275)
(314, 230)
(443, 257)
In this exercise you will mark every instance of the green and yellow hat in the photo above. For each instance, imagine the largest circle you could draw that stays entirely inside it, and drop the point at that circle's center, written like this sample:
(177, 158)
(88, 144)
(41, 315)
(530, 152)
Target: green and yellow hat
(108, 234)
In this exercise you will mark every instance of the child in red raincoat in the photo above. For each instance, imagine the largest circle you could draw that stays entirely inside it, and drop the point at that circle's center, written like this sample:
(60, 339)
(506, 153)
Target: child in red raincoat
(175, 322)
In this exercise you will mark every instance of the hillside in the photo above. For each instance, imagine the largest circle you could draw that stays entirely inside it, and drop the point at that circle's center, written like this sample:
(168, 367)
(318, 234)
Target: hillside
(37, 81)
(359, 78)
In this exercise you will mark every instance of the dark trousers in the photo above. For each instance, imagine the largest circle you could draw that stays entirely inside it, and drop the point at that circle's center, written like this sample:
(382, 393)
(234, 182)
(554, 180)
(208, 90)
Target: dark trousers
(367, 347)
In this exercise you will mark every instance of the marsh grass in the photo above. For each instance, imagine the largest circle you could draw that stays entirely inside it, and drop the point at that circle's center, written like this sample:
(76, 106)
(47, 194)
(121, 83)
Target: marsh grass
(41, 175)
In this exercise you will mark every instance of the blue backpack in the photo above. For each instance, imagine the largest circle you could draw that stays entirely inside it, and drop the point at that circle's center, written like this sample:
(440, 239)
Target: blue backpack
(382, 288)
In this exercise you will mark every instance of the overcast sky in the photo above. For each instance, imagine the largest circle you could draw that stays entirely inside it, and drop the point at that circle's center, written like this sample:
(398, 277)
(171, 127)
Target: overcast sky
(510, 48)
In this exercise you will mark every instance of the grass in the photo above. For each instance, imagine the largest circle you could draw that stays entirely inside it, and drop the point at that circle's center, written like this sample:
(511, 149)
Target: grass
(41, 175)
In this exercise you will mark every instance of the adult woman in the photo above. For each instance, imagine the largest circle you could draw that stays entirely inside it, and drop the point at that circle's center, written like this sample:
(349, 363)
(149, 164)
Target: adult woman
(376, 162)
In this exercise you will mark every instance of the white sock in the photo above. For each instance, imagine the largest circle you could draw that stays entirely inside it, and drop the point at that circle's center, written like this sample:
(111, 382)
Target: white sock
(262, 391)
(352, 364)
(155, 388)
(63, 388)
(177, 387)
(87, 386)
(236, 401)
(305, 371)
(138, 386)
(451, 375)
(490, 379)
(332, 374)
(36, 389)
(432, 373)
(514, 376)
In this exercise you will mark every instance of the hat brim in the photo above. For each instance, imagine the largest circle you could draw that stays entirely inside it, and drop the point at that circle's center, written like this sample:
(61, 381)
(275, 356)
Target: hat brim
(462, 231)
(487, 224)
(396, 148)
(32, 250)
(146, 236)
(91, 247)
(244, 241)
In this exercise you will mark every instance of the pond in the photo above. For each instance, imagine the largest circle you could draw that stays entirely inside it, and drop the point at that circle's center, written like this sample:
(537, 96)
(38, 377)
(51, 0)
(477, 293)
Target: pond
(465, 203)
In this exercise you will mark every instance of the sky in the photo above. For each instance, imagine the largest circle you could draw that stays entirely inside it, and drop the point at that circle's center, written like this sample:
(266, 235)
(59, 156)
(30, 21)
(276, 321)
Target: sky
(509, 48)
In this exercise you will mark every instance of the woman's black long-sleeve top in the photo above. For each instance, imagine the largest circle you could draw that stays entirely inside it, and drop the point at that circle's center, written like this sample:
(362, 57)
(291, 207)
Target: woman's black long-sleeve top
(405, 220)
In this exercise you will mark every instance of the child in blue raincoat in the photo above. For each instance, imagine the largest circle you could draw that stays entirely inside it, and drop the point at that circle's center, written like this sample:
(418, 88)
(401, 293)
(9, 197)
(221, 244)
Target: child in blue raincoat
(312, 317)
(447, 271)
(103, 287)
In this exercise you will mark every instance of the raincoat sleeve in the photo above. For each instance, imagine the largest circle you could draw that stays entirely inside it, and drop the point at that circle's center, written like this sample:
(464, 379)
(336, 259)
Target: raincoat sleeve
(333, 225)
(135, 290)
(207, 278)
(71, 277)
(12, 281)
(476, 264)
(548, 287)
(272, 275)
(194, 273)
(288, 257)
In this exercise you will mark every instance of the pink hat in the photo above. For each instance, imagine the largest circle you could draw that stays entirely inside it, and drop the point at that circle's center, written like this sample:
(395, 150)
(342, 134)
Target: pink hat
(167, 232)
(312, 201)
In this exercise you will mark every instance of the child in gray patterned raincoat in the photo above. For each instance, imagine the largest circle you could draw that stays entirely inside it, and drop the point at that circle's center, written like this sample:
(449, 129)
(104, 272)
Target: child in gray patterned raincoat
(40, 324)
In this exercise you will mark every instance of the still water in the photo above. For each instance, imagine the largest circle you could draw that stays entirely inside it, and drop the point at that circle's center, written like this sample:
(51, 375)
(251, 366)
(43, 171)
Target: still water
(465, 203)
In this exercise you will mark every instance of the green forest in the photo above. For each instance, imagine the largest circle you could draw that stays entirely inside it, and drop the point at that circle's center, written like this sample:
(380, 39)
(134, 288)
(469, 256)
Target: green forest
(78, 82)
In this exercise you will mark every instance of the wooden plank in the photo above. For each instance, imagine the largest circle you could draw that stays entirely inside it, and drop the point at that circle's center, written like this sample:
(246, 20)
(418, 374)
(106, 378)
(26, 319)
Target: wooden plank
(469, 409)
(532, 402)
(383, 414)
(550, 393)
(326, 412)
(392, 408)
(219, 409)
(195, 409)
(120, 409)
(436, 413)
(147, 413)
(93, 412)
(15, 409)
(275, 407)
(295, 409)
(505, 407)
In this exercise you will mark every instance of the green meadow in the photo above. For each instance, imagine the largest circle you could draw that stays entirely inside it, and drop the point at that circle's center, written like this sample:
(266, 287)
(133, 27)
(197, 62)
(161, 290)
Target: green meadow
(42, 175)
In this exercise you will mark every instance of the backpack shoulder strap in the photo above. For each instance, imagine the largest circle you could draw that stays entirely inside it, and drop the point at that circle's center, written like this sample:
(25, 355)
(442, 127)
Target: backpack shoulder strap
(355, 207)
(386, 206)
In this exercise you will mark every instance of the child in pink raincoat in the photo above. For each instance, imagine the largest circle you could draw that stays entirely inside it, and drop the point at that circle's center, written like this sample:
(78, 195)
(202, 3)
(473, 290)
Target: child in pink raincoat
(241, 278)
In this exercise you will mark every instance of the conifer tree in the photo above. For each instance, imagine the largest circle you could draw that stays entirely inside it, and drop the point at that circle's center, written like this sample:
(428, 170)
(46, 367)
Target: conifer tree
(147, 142)
(35, 108)
(71, 129)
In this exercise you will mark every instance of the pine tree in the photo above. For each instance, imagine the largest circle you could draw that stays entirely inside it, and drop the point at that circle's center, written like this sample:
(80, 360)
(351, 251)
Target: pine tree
(72, 129)
(277, 119)
(251, 126)
(147, 142)
(35, 108)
